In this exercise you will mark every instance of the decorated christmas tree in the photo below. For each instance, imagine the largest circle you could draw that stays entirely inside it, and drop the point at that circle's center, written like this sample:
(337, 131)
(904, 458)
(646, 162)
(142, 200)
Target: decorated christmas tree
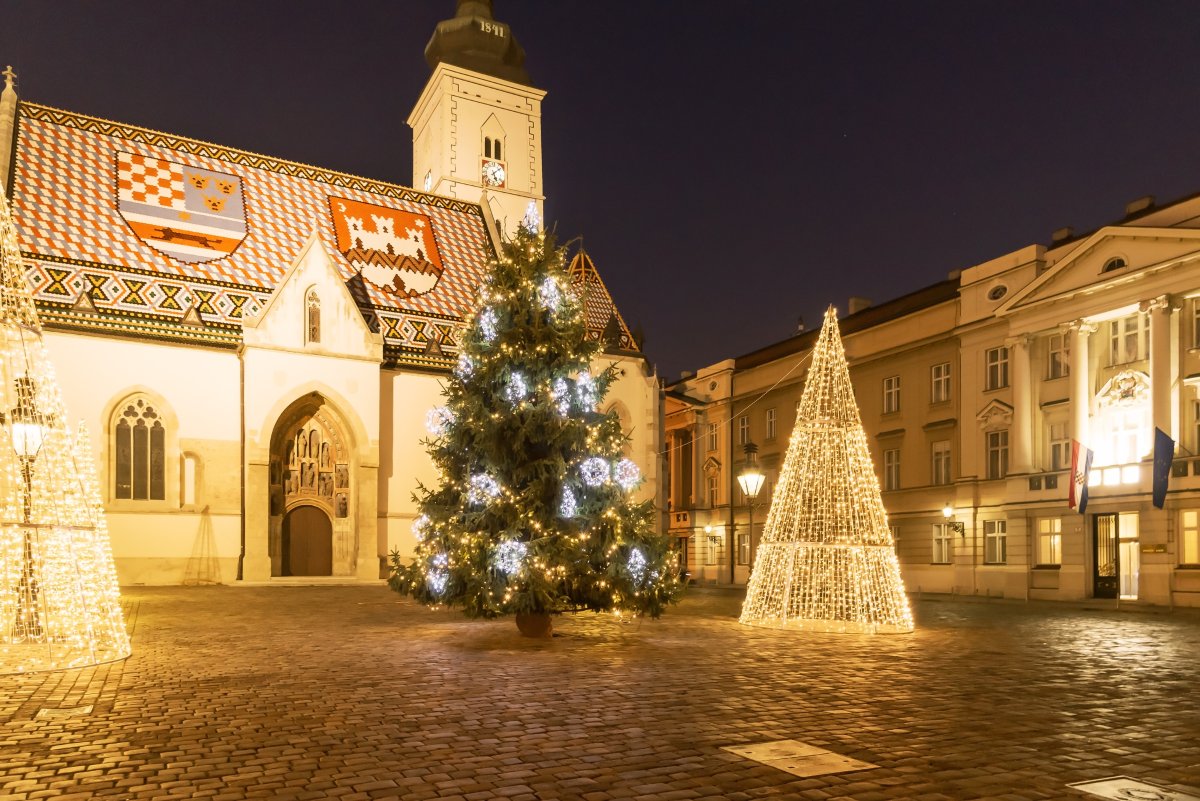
(531, 514)
(827, 561)
(59, 602)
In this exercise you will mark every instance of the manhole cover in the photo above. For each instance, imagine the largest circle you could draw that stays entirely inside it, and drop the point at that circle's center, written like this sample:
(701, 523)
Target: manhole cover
(47, 713)
(1123, 788)
(798, 759)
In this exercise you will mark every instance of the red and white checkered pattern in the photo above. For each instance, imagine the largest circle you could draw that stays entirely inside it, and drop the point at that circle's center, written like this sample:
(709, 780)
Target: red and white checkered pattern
(147, 180)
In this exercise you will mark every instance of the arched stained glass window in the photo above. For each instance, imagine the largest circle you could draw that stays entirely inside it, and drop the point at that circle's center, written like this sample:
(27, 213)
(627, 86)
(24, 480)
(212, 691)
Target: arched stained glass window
(312, 311)
(139, 444)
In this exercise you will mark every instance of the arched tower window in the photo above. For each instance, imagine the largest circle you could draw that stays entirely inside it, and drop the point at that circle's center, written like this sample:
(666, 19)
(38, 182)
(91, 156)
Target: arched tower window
(139, 444)
(499, 156)
(312, 317)
(487, 147)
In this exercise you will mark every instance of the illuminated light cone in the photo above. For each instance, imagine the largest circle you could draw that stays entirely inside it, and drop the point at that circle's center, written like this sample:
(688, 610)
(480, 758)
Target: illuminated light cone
(827, 561)
(59, 603)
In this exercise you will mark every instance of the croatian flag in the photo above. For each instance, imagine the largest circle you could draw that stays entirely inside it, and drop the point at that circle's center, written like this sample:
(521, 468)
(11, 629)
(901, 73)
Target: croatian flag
(1081, 466)
(1164, 452)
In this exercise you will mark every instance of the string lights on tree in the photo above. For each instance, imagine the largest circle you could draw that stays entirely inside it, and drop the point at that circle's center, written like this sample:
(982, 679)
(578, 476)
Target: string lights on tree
(827, 561)
(59, 602)
(532, 513)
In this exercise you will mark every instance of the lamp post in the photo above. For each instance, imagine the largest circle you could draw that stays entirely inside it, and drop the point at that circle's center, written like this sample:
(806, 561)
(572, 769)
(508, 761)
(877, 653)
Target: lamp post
(751, 480)
(957, 525)
(27, 432)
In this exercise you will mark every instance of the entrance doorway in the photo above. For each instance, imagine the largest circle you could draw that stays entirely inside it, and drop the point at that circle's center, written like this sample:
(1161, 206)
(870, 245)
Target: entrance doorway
(1116, 564)
(307, 548)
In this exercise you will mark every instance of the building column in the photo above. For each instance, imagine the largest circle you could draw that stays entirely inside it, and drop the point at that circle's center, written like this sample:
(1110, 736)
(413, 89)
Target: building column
(1159, 310)
(1022, 395)
(1081, 383)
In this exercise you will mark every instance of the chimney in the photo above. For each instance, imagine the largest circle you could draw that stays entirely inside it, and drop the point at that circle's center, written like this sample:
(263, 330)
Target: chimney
(1141, 204)
(800, 329)
(1062, 234)
(857, 304)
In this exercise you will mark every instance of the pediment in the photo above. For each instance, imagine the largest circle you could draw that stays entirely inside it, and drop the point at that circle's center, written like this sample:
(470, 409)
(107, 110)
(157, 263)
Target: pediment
(995, 415)
(711, 466)
(1082, 268)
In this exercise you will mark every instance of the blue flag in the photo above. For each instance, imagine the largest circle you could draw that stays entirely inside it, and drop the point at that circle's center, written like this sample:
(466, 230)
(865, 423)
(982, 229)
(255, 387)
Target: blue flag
(1164, 452)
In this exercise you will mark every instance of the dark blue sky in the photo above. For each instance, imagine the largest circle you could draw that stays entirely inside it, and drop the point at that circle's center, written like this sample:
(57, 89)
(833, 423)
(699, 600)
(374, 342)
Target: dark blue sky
(731, 166)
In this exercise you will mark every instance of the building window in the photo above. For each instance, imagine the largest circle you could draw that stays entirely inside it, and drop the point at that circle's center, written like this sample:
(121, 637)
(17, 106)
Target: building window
(895, 531)
(891, 394)
(770, 424)
(942, 542)
(939, 383)
(996, 360)
(1196, 323)
(995, 542)
(997, 454)
(312, 317)
(139, 444)
(743, 430)
(712, 436)
(891, 469)
(1060, 447)
(941, 462)
(712, 553)
(1189, 538)
(1058, 356)
(487, 147)
(713, 483)
(1049, 541)
(1196, 423)
(1128, 339)
(743, 555)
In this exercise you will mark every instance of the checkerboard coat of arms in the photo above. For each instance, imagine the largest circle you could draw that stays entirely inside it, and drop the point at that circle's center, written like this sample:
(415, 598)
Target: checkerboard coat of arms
(393, 249)
(188, 213)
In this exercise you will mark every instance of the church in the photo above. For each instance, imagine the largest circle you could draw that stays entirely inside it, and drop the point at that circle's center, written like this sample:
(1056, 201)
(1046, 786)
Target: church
(254, 343)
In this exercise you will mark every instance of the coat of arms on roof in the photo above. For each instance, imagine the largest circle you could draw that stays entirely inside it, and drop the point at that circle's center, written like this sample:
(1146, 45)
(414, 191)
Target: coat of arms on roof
(393, 249)
(190, 214)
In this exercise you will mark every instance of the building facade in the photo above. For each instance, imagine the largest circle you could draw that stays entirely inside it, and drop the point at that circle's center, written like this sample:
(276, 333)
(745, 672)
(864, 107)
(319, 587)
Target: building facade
(255, 343)
(971, 392)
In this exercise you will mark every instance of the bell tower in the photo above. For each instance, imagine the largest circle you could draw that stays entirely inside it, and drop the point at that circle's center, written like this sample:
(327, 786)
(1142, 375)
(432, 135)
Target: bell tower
(477, 126)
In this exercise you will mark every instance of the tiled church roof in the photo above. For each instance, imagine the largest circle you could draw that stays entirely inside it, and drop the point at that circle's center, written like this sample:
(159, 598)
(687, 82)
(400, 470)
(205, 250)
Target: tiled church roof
(131, 231)
(604, 322)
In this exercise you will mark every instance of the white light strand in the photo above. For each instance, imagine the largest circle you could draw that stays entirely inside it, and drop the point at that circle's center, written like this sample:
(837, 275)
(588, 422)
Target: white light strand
(438, 576)
(550, 294)
(488, 323)
(560, 393)
(532, 220)
(510, 556)
(517, 388)
(482, 489)
(420, 526)
(627, 474)
(464, 367)
(438, 420)
(585, 391)
(827, 561)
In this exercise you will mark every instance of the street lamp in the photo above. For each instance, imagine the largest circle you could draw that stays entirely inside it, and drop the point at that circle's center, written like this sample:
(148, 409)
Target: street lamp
(958, 526)
(751, 479)
(27, 432)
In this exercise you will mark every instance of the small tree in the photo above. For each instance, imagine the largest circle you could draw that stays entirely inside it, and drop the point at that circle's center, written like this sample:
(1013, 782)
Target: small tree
(532, 514)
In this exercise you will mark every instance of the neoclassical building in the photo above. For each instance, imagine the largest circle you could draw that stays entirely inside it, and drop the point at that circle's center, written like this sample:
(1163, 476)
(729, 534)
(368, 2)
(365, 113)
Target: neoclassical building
(971, 391)
(254, 343)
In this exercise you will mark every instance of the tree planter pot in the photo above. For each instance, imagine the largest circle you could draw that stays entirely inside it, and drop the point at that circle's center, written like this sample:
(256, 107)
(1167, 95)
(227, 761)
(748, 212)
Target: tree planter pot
(535, 624)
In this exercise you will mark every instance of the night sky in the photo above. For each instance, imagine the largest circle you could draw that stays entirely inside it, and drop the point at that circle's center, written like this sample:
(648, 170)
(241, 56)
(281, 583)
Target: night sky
(731, 166)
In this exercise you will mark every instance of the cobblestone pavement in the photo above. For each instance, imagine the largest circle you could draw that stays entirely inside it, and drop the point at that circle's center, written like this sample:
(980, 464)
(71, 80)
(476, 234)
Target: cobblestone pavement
(354, 693)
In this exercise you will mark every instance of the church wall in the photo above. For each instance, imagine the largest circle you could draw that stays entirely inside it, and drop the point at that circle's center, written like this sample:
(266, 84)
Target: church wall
(636, 397)
(194, 533)
(404, 398)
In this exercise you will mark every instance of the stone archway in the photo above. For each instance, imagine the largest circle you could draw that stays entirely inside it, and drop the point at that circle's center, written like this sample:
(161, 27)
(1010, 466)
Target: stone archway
(311, 492)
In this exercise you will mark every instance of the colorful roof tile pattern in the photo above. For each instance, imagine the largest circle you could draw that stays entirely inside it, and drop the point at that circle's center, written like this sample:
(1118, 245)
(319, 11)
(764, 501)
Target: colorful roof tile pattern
(604, 322)
(141, 233)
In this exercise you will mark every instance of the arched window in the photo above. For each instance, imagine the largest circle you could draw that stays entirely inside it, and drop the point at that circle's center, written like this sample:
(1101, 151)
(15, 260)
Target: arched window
(498, 155)
(1115, 263)
(487, 147)
(139, 444)
(312, 318)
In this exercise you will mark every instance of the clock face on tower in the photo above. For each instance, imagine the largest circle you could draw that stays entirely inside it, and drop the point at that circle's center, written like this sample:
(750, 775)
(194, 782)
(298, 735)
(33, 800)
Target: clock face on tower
(493, 173)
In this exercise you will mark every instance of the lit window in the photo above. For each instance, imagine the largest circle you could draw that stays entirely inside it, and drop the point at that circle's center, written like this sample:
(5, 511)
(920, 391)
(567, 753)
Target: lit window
(891, 469)
(1058, 356)
(712, 436)
(743, 555)
(939, 383)
(1060, 447)
(139, 447)
(1049, 544)
(996, 360)
(997, 454)
(743, 430)
(891, 394)
(713, 482)
(770, 424)
(941, 462)
(1128, 339)
(712, 553)
(1189, 538)
(942, 543)
(995, 542)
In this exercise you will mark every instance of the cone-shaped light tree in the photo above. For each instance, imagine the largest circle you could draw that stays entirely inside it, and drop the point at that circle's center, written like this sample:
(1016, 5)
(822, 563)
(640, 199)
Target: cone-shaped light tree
(59, 602)
(827, 561)
(532, 513)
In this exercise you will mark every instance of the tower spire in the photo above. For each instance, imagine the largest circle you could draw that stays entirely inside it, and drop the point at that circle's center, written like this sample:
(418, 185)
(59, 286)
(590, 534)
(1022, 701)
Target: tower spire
(473, 39)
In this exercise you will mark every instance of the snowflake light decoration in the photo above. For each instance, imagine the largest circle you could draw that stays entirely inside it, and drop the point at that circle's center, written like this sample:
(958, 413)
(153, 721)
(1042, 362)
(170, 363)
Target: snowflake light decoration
(550, 294)
(627, 474)
(595, 471)
(438, 420)
(420, 526)
(488, 323)
(560, 393)
(482, 489)
(438, 576)
(464, 367)
(510, 556)
(585, 391)
(532, 220)
(637, 565)
(517, 388)
(567, 507)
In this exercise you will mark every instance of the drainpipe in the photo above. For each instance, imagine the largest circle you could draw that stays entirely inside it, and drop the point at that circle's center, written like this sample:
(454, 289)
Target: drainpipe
(732, 484)
(242, 450)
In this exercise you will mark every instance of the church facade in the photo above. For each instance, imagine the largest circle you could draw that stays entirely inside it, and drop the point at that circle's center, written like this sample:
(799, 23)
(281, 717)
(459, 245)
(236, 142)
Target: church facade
(254, 343)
